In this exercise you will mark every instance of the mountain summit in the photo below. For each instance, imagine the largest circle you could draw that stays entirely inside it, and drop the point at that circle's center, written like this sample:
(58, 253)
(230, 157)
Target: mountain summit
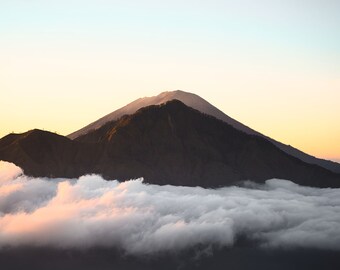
(169, 143)
(189, 99)
(198, 103)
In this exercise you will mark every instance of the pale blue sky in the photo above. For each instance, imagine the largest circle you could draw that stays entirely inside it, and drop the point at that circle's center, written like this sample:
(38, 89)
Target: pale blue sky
(273, 65)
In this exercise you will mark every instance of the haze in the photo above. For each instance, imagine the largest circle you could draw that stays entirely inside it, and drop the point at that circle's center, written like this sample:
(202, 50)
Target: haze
(272, 65)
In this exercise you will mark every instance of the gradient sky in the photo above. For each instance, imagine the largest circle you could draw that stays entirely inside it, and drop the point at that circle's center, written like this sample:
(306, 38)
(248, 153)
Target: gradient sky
(272, 65)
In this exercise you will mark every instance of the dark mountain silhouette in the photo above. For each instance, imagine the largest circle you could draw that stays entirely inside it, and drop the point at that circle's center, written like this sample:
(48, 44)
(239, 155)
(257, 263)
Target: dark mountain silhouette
(42, 153)
(198, 103)
(169, 143)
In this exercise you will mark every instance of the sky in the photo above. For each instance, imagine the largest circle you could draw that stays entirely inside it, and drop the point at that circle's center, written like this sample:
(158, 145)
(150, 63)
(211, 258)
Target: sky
(273, 65)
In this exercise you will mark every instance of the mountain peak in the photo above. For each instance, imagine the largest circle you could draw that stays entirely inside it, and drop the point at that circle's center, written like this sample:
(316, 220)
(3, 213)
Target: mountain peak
(169, 143)
(196, 102)
(189, 99)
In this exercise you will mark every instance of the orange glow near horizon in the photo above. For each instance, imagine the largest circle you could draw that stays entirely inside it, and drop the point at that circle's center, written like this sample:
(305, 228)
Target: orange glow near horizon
(273, 66)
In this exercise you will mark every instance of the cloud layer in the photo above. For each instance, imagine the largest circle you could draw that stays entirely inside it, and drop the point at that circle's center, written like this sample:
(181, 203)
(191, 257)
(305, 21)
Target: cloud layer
(147, 219)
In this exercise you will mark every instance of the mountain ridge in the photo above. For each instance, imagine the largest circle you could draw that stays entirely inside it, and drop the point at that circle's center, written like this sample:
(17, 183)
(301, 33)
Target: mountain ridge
(196, 102)
(166, 144)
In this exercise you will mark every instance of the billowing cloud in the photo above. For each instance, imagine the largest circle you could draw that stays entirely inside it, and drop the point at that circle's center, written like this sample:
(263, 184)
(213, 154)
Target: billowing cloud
(146, 219)
(8, 171)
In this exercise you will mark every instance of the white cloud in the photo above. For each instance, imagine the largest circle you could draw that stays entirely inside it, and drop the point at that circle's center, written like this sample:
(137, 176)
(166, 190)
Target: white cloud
(8, 171)
(146, 219)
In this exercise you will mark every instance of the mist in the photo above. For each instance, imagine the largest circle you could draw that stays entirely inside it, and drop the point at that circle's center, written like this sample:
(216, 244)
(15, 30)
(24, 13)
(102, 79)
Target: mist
(140, 218)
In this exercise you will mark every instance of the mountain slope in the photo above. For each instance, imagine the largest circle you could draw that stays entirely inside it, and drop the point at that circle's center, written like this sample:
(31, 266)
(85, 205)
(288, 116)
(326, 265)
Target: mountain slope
(167, 144)
(188, 99)
(201, 105)
(42, 153)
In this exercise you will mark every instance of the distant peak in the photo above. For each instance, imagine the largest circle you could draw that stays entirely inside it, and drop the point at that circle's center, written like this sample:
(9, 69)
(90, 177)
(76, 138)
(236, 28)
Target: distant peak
(180, 91)
(174, 92)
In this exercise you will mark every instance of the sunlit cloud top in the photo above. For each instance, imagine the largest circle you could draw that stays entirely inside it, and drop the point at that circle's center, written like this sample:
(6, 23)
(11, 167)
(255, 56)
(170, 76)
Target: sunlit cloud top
(146, 219)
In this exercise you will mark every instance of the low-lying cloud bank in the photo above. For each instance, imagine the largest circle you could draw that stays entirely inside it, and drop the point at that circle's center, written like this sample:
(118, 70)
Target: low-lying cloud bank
(146, 219)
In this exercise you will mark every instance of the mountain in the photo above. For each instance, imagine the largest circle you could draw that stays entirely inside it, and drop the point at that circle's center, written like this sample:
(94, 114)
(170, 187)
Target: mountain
(189, 99)
(42, 153)
(203, 106)
(169, 143)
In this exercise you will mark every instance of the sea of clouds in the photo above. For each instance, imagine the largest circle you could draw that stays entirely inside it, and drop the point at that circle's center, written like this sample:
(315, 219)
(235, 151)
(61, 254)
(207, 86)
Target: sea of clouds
(144, 219)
